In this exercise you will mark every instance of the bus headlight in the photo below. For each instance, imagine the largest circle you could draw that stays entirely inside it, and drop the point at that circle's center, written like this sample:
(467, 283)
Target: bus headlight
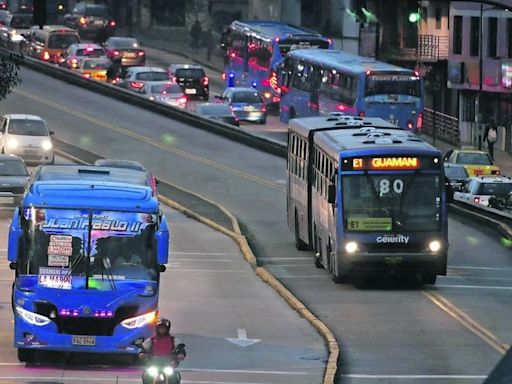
(139, 321)
(31, 317)
(153, 371)
(351, 247)
(169, 371)
(434, 246)
(12, 143)
(46, 145)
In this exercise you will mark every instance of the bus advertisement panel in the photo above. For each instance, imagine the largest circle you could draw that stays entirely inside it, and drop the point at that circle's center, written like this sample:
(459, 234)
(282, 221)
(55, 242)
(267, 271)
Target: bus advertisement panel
(325, 81)
(253, 49)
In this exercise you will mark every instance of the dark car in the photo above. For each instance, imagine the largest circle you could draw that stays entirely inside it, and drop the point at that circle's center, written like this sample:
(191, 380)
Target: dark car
(127, 48)
(14, 178)
(191, 78)
(3, 16)
(456, 174)
(91, 20)
(221, 112)
(246, 103)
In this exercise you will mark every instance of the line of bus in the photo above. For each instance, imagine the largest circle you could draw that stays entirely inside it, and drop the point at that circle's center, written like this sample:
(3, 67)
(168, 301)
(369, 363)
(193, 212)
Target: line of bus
(367, 197)
(317, 82)
(253, 49)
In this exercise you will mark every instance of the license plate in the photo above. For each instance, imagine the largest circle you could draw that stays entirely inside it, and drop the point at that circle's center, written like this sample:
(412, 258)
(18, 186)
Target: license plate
(249, 108)
(29, 152)
(6, 200)
(393, 259)
(89, 341)
(130, 55)
(191, 91)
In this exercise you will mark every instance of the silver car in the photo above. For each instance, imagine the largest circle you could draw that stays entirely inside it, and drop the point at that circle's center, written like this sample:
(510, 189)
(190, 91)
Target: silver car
(28, 137)
(135, 77)
(166, 92)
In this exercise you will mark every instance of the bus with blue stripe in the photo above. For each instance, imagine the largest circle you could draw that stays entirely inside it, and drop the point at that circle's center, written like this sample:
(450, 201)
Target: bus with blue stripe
(319, 82)
(253, 49)
(87, 244)
(367, 197)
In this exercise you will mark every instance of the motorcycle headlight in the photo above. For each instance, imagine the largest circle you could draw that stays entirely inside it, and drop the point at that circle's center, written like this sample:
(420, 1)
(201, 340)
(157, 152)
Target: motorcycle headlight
(12, 143)
(139, 321)
(153, 371)
(46, 145)
(169, 371)
(31, 317)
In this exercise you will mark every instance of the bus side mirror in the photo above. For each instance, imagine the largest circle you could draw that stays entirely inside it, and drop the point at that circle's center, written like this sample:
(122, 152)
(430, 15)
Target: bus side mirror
(331, 194)
(162, 241)
(15, 233)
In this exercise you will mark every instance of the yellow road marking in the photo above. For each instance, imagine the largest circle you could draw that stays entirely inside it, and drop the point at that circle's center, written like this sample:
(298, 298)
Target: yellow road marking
(133, 135)
(466, 320)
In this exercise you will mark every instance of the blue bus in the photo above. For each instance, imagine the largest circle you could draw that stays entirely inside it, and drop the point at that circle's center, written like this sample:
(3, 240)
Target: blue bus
(318, 82)
(253, 49)
(87, 244)
(367, 197)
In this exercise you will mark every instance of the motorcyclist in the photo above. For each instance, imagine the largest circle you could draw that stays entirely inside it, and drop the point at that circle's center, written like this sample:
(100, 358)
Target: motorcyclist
(115, 71)
(162, 347)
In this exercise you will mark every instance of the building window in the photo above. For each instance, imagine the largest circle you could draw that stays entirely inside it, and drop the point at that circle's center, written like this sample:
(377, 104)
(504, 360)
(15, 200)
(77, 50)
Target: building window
(509, 38)
(492, 36)
(438, 18)
(457, 35)
(474, 36)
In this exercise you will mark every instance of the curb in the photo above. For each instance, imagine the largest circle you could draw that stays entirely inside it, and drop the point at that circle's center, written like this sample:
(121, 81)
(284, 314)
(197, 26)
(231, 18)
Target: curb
(503, 228)
(261, 272)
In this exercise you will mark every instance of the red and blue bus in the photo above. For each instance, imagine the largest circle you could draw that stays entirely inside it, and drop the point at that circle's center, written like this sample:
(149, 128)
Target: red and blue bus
(318, 82)
(255, 48)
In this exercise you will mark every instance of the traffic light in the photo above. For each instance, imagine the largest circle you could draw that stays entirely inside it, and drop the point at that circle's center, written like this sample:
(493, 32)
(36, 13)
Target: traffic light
(40, 13)
(414, 16)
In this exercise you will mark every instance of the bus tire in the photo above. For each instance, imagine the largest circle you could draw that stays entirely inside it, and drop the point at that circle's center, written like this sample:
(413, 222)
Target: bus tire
(26, 355)
(318, 251)
(292, 114)
(429, 278)
(299, 244)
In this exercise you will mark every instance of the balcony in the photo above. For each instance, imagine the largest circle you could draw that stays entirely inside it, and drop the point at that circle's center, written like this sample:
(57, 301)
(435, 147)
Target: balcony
(420, 48)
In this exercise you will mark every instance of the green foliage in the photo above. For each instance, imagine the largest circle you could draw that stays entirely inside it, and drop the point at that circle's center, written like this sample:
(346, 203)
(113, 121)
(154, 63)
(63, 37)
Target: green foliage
(9, 74)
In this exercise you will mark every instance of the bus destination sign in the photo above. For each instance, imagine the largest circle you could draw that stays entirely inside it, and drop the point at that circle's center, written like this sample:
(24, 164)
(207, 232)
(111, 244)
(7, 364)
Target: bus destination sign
(385, 163)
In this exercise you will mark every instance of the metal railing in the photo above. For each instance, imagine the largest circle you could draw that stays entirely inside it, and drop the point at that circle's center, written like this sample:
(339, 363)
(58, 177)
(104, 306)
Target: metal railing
(441, 126)
(415, 47)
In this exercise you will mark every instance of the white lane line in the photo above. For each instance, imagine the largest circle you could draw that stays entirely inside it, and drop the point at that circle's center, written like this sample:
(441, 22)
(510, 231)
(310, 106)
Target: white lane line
(483, 268)
(248, 371)
(301, 276)
(473, 287)
(408, 377)
(472, 277)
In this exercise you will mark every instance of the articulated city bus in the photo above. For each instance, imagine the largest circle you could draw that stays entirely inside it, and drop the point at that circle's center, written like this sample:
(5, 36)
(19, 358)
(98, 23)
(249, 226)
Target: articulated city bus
(255, 48)
(318, 82)
(87, 244)
(367, 197)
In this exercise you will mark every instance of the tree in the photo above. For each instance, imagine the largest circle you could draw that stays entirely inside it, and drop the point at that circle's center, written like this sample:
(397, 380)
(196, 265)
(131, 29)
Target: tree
(9, 74)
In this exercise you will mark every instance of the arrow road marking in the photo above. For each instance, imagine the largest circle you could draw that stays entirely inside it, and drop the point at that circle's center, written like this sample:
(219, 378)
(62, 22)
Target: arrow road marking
(242, 340)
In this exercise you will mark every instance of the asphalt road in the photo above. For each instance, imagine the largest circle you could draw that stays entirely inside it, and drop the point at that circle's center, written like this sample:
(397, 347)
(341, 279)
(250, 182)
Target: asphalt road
(390, 332)
(210, 293)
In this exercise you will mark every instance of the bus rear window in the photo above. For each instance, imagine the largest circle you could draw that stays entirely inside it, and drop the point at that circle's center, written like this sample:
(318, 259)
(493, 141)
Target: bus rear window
(392, 85)
(288, 45)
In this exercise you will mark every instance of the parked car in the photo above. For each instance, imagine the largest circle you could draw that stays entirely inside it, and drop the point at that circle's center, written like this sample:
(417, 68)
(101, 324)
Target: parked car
(127, 48)
(91, 20)
(76, 53)
(221, 112)
(166, 92)
(135, 77)
(246, 103)
(14, 178)
(479, 190)
(28, 137)
(14, 29)
(191, 78)
(476, 162)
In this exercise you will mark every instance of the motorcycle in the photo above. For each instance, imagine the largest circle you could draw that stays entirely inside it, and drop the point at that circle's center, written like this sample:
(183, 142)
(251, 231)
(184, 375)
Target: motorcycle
(163, 370)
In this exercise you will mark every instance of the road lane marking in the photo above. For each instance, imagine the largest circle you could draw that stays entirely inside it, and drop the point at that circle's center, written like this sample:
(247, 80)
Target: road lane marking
(405, 377)
(136, 136)
(474, 287)
(482, 268)
(471, 324)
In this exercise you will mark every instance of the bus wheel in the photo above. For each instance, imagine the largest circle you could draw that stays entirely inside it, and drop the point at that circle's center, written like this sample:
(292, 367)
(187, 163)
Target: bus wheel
(299, 244)
(292, 114)
(429, 278)
(26, 355)
(318, 253)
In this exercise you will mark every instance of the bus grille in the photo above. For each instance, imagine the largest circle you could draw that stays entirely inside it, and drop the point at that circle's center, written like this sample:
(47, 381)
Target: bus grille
(86, 326)
(394, 247)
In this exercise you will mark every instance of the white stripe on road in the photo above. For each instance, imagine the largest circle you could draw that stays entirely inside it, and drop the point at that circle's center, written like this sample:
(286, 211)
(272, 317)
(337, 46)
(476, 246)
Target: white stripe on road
(409, 377)
(484, 268)
(473, 287)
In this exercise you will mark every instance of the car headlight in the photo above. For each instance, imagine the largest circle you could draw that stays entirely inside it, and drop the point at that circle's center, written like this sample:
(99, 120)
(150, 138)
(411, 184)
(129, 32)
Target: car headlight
(13, 32)
(169, 371)
(434, 246)
(153, 371)
(46, 145)
(12, 143)
(139, 321)
(31, 317)
(351, 247)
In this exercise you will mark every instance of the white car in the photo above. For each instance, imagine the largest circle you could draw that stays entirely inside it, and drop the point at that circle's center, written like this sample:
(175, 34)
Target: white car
(479, 189)
(28, 137)
(166, 92)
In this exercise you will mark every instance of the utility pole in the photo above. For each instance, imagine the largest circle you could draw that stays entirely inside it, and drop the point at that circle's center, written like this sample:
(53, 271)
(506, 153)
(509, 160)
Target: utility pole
(478, 114)
(39, 13)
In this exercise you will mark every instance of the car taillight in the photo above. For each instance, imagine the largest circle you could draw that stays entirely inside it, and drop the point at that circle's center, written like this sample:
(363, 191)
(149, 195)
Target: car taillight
(276, 99)
(263, 109)
(205, 80)
(136, 84)
(141, 53)
(83, 21)
(313, 106)
(362, 114)
(182, 100)
(476, 200)
(495, 172)
(273, 82)
(410, 125)
(46, 56)
(223, 76)
(112, 23)
(86, 75)
(116, 53)
(419, 122)
(341, 107)
(74, 63)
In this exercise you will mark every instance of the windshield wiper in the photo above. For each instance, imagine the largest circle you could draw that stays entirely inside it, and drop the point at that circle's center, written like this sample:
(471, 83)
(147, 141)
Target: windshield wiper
(107, 268)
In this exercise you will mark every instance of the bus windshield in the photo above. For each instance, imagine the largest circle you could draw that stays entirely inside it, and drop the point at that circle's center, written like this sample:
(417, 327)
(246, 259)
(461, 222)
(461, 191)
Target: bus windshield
(392, 85)
(119, 246)
(391, 202)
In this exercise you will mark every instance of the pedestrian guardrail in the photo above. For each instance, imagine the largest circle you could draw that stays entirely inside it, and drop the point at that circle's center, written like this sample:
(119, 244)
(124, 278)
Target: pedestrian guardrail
(441, 126)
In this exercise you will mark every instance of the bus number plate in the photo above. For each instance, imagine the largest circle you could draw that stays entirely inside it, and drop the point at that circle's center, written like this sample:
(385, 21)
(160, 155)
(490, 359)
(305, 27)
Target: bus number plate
(393, 259)
(84, 340)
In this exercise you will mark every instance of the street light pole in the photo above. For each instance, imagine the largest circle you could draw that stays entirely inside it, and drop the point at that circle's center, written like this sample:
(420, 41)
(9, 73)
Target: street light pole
(478, 117)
